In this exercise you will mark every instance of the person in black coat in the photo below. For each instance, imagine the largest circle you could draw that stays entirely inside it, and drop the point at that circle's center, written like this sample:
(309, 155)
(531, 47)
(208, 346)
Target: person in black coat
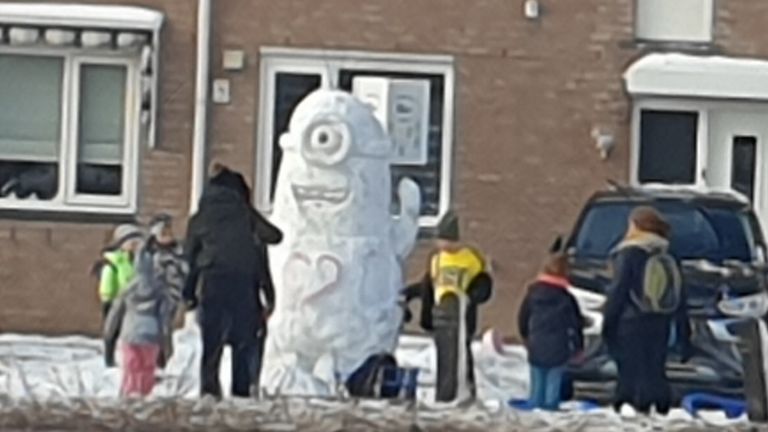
(551, 325)
(637, 339)
(229, 279)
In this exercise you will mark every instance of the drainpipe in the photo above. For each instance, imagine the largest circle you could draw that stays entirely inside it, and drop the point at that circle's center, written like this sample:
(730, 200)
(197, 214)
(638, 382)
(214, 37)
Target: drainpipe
(199, 150)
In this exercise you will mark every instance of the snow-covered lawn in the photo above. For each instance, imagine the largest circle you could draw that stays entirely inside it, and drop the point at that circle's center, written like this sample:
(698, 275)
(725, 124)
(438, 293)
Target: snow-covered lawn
(62, 384)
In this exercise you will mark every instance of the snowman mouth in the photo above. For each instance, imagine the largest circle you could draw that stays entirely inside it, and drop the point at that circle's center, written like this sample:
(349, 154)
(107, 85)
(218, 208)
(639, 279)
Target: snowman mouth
(333, 195)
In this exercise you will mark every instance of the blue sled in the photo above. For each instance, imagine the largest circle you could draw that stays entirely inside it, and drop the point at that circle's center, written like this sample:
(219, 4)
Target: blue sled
(697, 401)
(526, 405)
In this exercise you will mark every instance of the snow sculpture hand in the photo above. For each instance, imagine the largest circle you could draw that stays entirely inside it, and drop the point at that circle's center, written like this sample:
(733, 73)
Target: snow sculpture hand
(406, 225)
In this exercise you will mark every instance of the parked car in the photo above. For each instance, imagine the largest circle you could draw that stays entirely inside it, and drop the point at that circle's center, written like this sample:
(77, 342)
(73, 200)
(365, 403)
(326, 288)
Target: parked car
(719, 243)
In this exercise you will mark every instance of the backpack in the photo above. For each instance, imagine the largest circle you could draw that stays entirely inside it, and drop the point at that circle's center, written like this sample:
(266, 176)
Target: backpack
(661, 285)
(371, 379)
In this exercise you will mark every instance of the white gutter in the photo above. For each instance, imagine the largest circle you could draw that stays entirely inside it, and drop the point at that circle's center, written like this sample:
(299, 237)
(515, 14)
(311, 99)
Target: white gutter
(201, 102)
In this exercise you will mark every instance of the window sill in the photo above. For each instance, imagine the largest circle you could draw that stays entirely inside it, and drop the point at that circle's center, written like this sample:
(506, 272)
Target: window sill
(668, 45)
(39, 207)
(71, 216)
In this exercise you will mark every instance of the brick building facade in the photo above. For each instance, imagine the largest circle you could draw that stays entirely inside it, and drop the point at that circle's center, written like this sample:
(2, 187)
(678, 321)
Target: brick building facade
(516, 104)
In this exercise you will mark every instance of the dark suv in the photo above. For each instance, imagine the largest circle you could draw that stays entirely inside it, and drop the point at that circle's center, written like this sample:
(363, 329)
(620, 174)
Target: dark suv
(719, 243)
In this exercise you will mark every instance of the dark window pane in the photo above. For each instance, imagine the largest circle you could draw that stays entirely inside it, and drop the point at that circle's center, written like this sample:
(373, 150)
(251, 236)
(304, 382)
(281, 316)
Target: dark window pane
(668, 146)
(99, 179)
(29, 180)
(427, 176)
(743, 165)
(290, 89)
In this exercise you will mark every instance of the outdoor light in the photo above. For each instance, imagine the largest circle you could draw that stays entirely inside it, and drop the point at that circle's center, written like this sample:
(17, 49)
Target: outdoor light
(23, 35)
(532, 9)
(130, 39)
(95, 39)
(604, 142)
(59, 37)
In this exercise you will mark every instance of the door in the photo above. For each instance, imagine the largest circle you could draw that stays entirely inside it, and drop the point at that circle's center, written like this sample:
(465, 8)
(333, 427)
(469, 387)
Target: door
(736, 155)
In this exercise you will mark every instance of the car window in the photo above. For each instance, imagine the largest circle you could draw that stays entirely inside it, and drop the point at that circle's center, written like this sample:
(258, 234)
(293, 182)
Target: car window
(601, 230)
(714, 234)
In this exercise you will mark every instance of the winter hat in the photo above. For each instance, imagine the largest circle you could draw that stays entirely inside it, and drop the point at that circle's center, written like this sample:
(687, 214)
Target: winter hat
(124, 233)
(448, 228)
(648, 219)
(223, 176)
(158, 223)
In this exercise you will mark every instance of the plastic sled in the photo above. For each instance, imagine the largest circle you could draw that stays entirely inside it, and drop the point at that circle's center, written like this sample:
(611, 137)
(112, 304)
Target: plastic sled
(521, 404)
(400, 383)
(732, 408)
(526, 405)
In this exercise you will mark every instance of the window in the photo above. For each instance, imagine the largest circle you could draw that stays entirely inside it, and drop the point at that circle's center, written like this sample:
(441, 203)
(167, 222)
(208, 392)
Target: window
(289, 75)
(67, 129)
(667, 151)
(743, 165)
(674, 20)
(78, 95)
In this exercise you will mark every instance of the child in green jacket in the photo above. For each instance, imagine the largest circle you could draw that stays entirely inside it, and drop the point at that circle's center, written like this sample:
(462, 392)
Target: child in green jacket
(116, 268)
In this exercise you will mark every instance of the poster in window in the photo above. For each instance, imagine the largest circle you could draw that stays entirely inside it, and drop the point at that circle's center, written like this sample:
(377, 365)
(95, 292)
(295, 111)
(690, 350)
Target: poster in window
(402, 107)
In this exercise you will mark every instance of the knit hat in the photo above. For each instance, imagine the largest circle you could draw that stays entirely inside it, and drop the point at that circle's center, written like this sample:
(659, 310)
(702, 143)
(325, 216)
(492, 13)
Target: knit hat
(448, 228)
(124, 233)
(223, 176)
(648, 219)
(158, 223)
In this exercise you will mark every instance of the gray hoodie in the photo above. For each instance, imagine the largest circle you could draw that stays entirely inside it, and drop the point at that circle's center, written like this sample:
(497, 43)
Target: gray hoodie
(140, 315)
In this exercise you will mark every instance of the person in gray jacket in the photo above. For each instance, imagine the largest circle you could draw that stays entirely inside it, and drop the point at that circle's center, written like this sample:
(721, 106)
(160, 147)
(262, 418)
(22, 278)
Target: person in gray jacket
(139, 320)
(170, 266)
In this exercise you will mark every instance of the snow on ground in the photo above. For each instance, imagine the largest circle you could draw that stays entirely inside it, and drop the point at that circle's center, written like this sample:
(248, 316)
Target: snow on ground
(62, 376)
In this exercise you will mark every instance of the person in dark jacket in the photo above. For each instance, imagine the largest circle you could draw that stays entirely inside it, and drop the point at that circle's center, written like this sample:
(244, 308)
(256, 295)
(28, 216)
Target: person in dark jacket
(551, 326)
(226, 250)
(454, 269)
(637, 339)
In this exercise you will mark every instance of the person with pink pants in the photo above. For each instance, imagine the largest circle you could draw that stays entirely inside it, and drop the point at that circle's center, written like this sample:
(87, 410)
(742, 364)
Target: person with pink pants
(139, 321)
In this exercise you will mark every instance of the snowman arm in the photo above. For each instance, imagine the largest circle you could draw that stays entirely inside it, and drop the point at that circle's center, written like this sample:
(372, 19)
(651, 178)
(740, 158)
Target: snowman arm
(406, 224)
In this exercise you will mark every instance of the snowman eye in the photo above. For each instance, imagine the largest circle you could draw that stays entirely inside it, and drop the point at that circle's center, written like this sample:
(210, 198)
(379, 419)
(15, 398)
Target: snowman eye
(327, 141)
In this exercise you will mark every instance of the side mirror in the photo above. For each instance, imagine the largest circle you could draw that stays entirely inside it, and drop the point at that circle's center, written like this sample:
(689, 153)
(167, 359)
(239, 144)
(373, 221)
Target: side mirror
(557, 245)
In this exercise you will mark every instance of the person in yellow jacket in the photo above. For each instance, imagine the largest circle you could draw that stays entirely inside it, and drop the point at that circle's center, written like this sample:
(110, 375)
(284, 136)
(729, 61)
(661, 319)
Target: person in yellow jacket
(116, 268)
(457, 281)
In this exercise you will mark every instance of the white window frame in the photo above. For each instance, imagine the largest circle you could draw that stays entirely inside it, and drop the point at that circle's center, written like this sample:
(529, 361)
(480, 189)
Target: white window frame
(702, 133)
(67, 200)
(703, 109)
(708, 21)
(328, 64)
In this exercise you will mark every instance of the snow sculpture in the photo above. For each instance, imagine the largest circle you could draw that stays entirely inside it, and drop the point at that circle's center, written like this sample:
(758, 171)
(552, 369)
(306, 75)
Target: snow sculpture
(338, 271)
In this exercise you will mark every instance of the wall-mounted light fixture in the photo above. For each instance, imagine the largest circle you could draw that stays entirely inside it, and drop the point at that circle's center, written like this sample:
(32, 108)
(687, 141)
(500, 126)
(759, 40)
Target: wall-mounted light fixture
(604, 142)
(532, 9)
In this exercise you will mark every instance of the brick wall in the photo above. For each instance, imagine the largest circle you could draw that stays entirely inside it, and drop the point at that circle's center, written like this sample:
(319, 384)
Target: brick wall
(44, 265)
(528, 94)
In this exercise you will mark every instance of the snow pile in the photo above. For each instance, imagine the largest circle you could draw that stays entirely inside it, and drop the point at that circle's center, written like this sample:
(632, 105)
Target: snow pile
(61, 384)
